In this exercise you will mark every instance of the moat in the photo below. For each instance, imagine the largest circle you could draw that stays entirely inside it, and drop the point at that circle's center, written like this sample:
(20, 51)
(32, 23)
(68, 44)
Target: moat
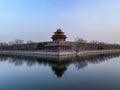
(92, 72)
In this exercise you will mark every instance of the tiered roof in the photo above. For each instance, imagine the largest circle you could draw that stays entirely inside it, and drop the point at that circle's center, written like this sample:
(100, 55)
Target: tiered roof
(59, 35)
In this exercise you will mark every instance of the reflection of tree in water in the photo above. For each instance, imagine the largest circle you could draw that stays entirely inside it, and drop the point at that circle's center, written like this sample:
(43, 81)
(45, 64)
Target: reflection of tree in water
(82, 61)
(58, 67)
(80, 65)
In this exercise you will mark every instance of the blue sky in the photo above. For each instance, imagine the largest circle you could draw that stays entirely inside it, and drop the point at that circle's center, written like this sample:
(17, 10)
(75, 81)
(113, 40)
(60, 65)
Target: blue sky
(37, 19)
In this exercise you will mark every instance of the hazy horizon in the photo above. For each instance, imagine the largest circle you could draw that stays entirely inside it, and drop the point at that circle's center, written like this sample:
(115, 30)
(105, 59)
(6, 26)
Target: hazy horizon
(36, 20)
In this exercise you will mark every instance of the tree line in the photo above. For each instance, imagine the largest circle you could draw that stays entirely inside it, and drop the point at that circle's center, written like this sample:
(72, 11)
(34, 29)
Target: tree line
(81, 44)
(78, 44)
(16, 42)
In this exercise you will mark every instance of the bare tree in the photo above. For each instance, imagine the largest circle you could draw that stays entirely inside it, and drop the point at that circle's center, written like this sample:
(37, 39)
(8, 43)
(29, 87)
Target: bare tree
(30, 41)
(18, 41)
(80, 40)
(79, 44)
(11, 43)
(94, 42)
(3, 44)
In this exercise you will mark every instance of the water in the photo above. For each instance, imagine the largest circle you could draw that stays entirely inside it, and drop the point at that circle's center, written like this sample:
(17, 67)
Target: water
(100, 72)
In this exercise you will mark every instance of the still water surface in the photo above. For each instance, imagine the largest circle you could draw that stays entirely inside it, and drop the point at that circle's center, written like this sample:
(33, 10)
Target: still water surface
(100, 72)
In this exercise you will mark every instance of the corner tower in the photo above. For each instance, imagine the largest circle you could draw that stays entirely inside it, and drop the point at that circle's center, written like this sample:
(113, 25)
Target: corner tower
(59, 36)
(59, 45)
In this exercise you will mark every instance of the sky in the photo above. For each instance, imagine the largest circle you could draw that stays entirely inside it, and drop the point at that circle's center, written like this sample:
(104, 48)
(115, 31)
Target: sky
(36, 20)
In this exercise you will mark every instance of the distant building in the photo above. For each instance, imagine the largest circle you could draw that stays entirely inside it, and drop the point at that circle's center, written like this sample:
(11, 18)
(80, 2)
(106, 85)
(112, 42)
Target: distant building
(59, 36)
(59, 42)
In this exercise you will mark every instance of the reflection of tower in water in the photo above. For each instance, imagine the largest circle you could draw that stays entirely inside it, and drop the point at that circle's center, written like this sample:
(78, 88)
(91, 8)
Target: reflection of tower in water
(58, 65)
(59, 70)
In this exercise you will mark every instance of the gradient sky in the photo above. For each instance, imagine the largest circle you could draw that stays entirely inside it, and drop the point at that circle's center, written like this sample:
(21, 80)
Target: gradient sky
(37, 19)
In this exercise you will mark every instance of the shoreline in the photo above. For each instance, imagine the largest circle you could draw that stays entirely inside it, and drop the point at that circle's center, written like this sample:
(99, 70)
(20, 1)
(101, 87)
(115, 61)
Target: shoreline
(66, 53)
(96, 52)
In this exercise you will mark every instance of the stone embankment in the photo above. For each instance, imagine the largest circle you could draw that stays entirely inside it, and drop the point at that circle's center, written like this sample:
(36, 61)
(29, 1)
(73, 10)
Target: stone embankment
(36, 53)
(95, 52)
(66, 53)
